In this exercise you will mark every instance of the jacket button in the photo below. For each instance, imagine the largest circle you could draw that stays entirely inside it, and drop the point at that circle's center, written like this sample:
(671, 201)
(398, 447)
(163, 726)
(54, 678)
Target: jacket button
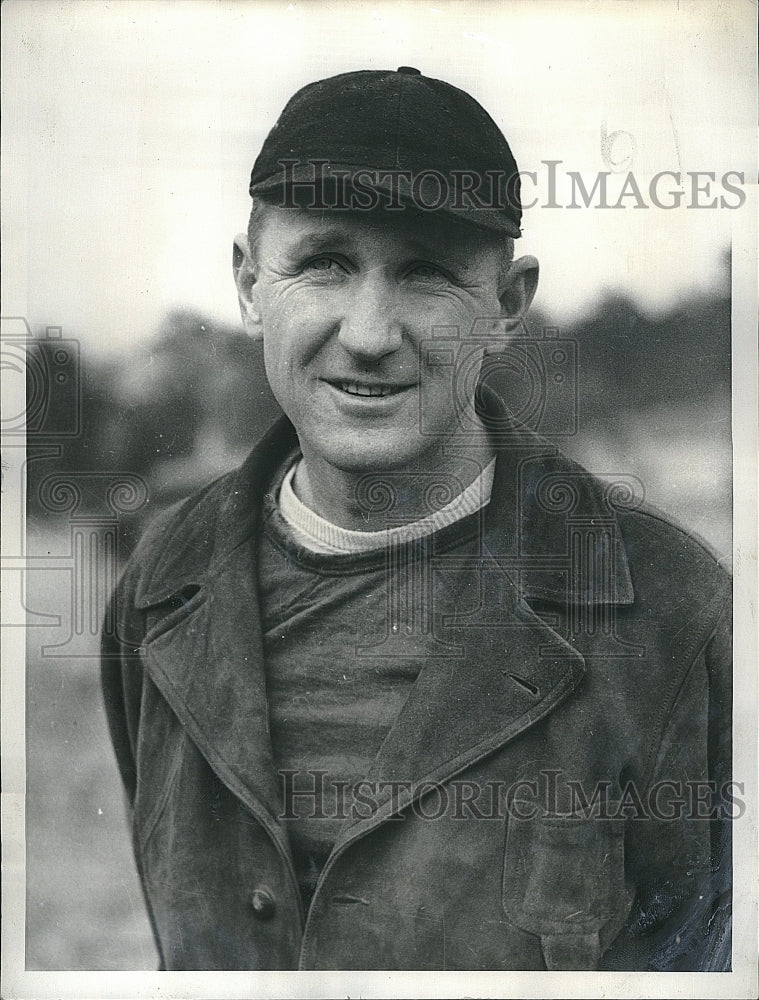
(262, 903)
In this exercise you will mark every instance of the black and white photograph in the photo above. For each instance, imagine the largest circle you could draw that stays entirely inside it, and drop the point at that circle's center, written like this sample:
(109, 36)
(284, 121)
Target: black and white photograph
(379, 510)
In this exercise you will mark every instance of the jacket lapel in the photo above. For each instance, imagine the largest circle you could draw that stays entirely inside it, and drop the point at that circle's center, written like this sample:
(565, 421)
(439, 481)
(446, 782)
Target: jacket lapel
(462, 709)
(209, 663)
(551, 522)
(209, 669)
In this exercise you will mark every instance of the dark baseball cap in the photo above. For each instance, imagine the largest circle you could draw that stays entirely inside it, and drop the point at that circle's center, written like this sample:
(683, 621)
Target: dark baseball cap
(395, 138)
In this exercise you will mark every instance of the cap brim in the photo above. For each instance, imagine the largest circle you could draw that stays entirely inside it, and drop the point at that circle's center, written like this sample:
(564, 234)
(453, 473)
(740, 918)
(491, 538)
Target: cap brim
(338, 192)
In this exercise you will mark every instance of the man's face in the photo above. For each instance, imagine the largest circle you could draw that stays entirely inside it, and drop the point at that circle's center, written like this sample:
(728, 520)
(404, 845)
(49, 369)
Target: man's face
(344, 302)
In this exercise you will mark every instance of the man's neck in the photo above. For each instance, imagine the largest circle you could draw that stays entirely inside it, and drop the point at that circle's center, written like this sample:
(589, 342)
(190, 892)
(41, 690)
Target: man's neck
(371, 501)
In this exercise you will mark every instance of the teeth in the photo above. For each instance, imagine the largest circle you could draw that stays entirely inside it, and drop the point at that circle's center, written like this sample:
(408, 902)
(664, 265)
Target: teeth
(354, 389)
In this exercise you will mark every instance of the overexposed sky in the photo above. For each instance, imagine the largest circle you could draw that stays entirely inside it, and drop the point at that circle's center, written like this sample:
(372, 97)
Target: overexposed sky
(130, 128)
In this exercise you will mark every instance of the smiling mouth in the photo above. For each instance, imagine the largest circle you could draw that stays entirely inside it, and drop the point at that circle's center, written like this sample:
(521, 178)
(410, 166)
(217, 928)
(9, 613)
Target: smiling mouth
(362, 389)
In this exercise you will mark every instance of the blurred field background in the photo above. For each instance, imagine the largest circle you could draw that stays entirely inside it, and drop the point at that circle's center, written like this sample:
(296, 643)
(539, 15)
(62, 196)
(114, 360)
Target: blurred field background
(186, 405)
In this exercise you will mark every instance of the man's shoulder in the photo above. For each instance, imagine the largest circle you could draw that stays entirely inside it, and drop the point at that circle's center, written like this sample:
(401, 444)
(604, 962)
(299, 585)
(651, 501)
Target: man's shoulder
(193, 514)
(647, 532)
(674, 571)
(187, 526)
(652, 533)
(622, 549)
(664, 531)
(657, 546)
(180, 542)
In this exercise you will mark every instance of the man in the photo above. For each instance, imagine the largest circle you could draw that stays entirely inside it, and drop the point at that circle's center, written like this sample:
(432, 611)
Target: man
(410, 690)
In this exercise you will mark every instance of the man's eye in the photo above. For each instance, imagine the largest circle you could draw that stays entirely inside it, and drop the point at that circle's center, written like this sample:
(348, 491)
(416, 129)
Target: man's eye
(322, 265)
(427, 272)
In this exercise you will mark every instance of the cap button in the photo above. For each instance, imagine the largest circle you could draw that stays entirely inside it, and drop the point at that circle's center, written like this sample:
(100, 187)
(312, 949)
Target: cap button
(409, 70)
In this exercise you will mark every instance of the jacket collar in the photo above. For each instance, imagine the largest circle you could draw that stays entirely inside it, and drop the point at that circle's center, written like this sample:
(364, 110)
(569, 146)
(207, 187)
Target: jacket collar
(543, 509)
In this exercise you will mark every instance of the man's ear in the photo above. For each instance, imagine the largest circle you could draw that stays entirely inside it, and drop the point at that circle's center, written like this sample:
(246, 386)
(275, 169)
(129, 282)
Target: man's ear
(247, 293)
(517, 291)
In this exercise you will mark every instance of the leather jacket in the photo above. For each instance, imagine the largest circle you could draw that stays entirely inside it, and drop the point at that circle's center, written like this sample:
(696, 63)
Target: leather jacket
(599, 713)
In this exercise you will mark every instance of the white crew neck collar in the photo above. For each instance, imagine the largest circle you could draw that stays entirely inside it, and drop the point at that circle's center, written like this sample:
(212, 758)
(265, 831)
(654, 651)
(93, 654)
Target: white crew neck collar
(319, 535)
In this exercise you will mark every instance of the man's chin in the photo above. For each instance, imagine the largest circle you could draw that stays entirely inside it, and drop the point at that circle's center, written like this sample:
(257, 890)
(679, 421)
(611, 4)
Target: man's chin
(367, 458)
(375, 464)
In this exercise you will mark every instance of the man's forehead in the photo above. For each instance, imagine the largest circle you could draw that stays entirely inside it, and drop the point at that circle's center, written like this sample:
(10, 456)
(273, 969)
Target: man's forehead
(292, 228)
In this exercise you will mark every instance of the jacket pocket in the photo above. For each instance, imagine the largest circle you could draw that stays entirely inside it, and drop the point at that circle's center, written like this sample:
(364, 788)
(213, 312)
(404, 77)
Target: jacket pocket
(564, 881)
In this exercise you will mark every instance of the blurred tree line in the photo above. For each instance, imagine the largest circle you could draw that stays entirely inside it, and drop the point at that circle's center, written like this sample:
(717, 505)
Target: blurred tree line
(188, 404)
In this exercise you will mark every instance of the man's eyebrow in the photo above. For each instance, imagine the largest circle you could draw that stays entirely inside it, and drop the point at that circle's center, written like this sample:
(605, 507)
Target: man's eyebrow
(323, 239)
(455, 256)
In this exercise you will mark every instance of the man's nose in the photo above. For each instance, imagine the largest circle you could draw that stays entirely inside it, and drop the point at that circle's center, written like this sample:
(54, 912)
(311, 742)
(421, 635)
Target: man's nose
(371, 327)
